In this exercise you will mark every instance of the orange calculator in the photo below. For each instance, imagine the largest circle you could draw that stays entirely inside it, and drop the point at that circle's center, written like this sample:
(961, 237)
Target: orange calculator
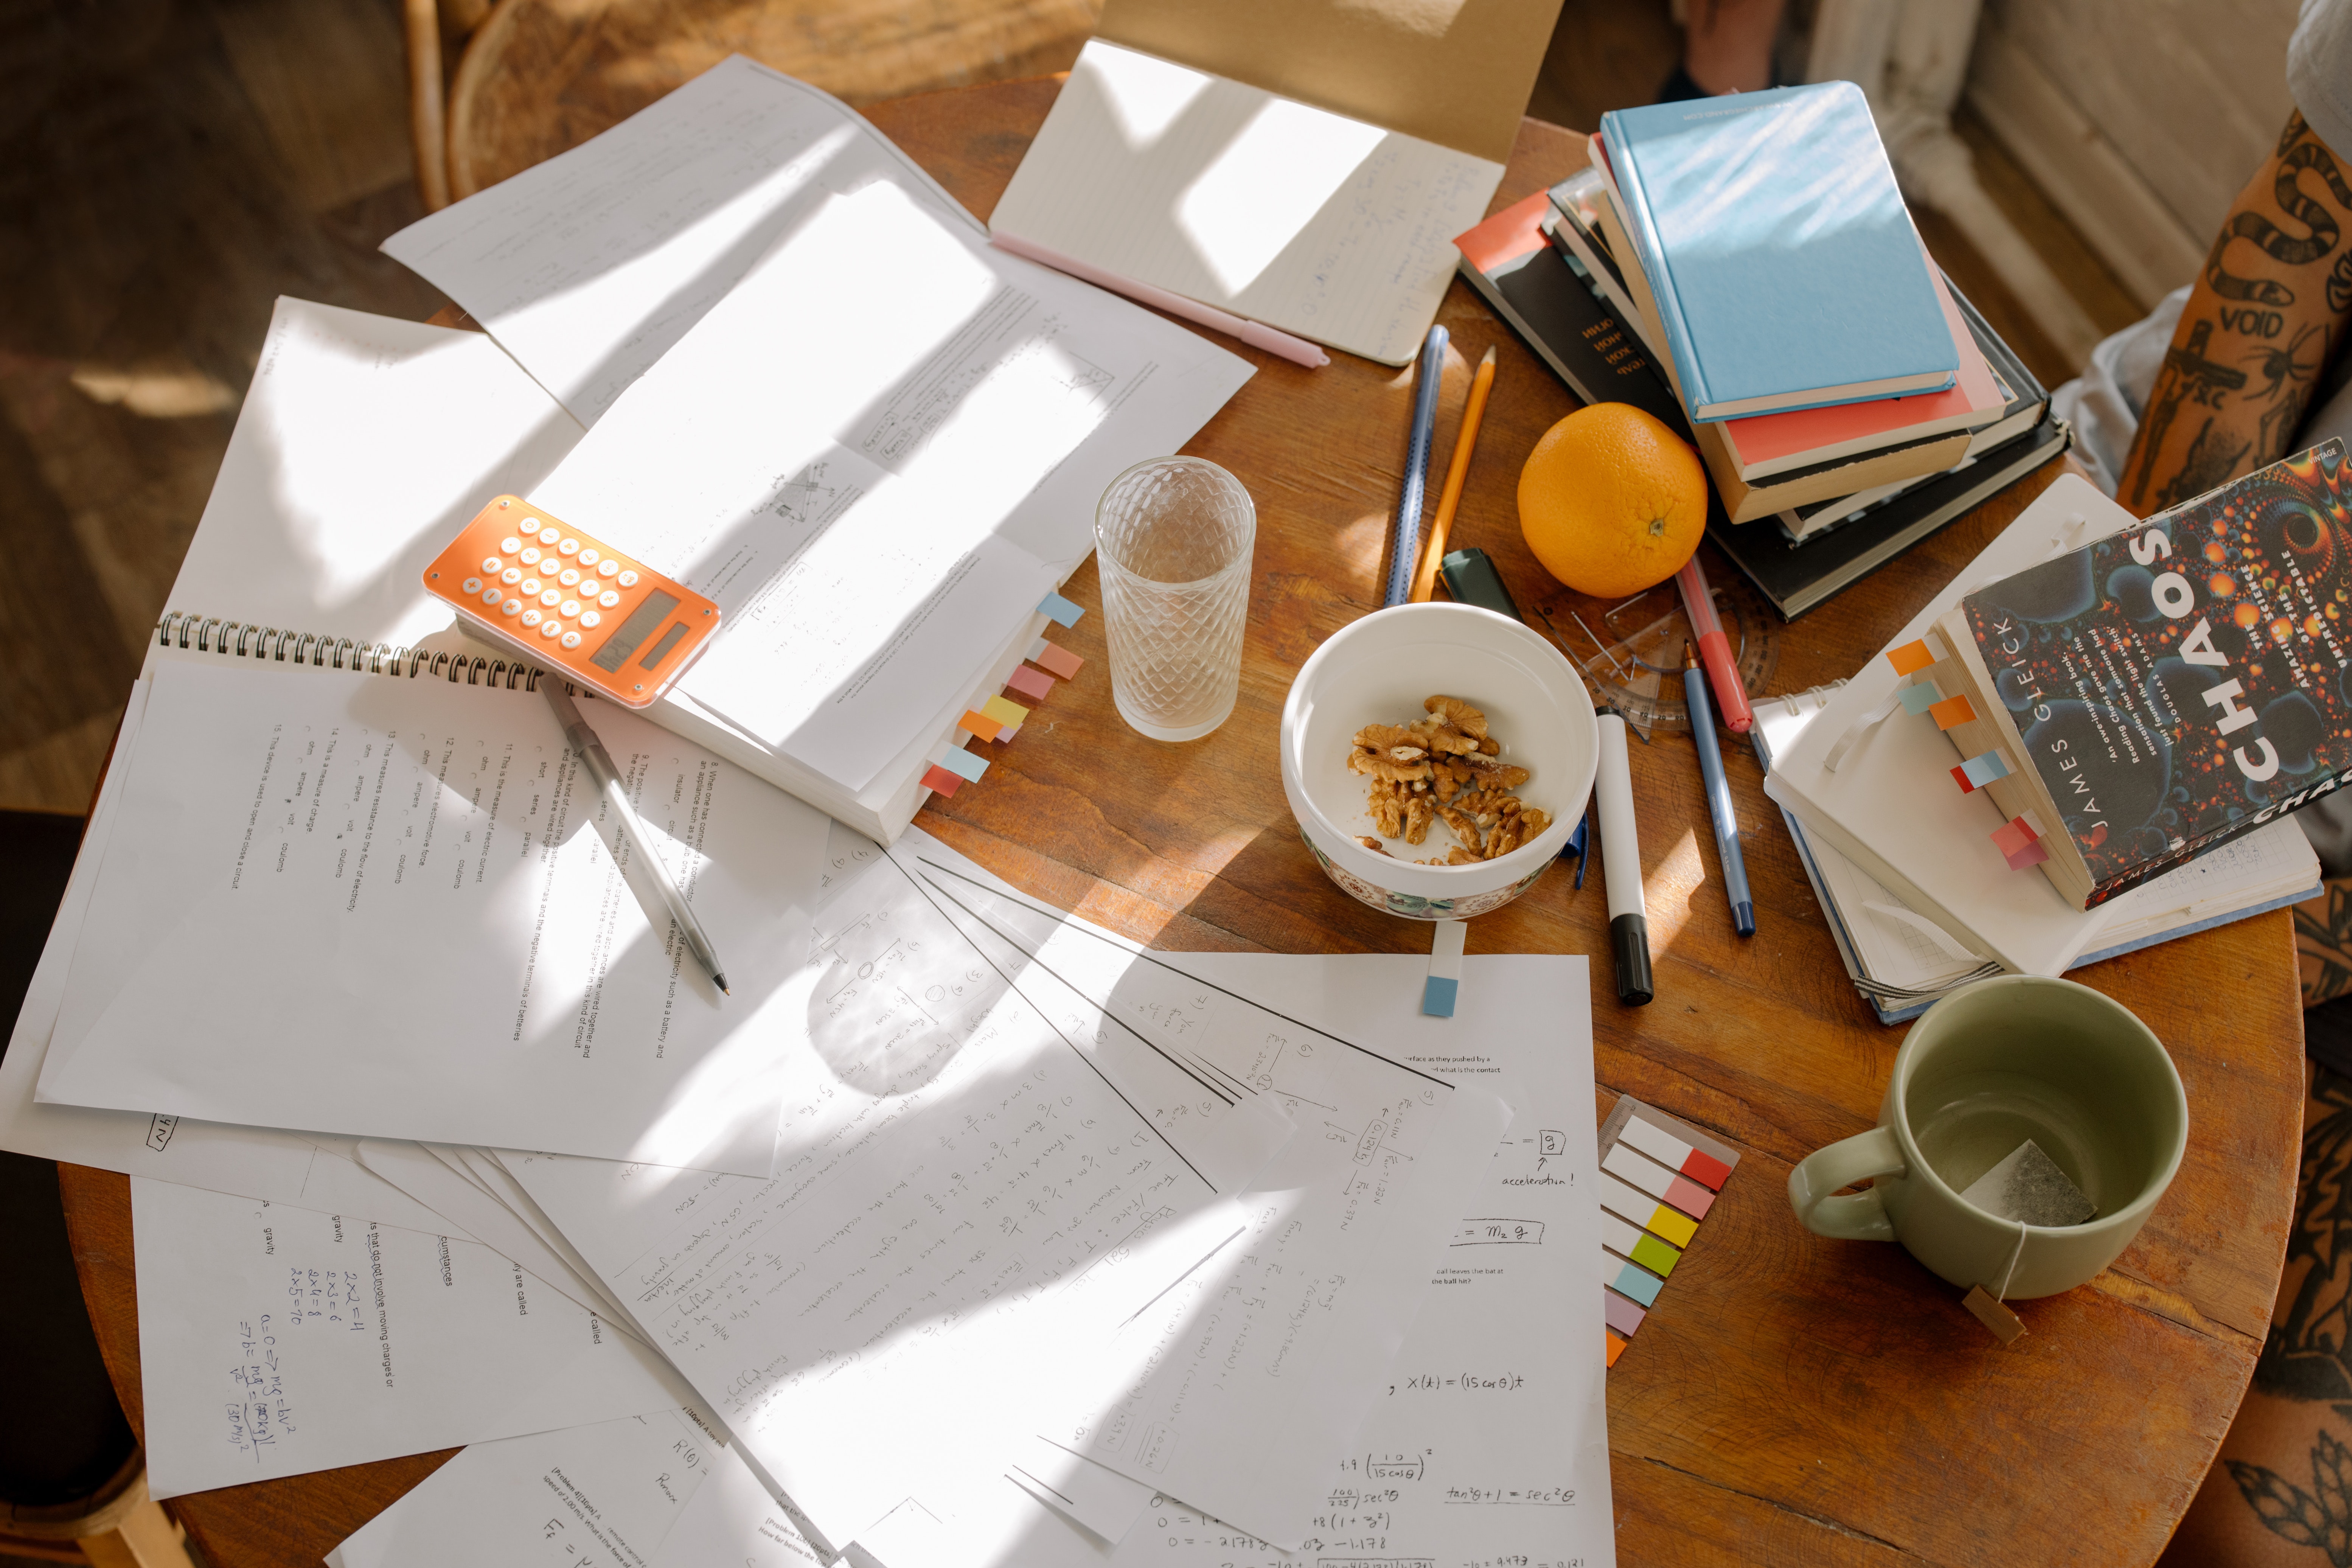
(572, 604)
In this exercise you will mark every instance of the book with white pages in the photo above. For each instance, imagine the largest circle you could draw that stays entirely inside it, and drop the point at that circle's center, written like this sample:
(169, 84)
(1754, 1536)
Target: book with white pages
(1902, 963)
(384, 905)
(1890, 806)
(1303, 165)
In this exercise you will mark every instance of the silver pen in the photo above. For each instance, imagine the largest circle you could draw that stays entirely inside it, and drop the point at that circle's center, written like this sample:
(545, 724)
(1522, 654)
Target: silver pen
(608, 779)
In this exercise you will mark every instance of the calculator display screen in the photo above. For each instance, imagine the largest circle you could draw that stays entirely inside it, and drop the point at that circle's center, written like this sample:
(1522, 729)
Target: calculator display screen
(633, 631)
(660, 650)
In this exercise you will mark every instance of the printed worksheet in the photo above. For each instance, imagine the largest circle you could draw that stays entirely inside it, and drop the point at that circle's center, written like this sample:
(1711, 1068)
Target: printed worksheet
(1488, 1439)
(603, 1496)
(274, 1342)
(388, 907)
(878, 454)
(968, 1245)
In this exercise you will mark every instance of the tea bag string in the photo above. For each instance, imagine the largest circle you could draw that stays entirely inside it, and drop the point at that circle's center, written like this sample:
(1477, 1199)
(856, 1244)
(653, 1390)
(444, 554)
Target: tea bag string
(2011, 1272)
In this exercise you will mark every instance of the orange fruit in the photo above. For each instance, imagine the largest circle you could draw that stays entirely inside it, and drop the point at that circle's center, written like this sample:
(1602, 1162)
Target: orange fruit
(1611, 501)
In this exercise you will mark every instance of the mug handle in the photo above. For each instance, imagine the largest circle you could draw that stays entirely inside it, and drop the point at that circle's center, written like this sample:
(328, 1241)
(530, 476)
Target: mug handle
(1862, 1217)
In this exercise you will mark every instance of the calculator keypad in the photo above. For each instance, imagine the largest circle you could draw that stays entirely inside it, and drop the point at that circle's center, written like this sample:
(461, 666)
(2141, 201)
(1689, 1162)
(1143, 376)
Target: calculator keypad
(625, 631)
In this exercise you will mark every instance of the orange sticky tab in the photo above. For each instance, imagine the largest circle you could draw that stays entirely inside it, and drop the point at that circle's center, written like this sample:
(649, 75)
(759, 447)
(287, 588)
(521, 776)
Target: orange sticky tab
(1008, 714)
(1952, 710)
(1616, 1345)
(1911, 657)
(1057, 659)
(981, 725)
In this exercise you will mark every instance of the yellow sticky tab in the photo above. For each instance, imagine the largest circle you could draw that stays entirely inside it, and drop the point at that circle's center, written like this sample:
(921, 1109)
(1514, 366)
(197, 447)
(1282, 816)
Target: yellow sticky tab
(1676, 1228)
(1911, 657)
(1004, 711)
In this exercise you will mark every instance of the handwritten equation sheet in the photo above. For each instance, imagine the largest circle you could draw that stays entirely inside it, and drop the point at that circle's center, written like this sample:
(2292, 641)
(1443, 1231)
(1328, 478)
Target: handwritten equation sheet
(953, 1246)
(877, 453)
(1486, 1440)
(274, 1342)
(383, 907)
(1309, 221)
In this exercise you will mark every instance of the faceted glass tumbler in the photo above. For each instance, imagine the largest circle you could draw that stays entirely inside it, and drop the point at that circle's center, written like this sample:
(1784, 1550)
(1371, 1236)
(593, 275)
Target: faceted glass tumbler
(1173, 539)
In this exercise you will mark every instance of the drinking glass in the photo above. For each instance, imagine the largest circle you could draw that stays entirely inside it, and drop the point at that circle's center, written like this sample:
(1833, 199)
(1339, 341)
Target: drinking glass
(1173, 538)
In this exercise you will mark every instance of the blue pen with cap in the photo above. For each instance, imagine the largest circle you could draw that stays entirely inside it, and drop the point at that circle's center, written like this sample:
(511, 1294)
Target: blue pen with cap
(1718, 793)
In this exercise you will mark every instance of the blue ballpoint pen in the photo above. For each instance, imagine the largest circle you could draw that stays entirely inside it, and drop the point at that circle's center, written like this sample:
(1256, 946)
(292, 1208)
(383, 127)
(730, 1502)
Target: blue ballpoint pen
(1718, 793)
(1416, 470)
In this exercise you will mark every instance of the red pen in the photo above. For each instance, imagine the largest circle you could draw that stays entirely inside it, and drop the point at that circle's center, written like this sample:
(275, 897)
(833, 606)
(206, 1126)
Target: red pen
(1714, 647)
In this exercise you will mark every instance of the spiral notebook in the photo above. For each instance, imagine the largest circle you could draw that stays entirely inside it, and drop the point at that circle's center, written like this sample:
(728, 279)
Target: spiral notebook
(372, 902)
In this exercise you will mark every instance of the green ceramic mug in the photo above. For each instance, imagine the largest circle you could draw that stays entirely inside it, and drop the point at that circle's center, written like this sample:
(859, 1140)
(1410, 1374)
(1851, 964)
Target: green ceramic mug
(1992, 1065)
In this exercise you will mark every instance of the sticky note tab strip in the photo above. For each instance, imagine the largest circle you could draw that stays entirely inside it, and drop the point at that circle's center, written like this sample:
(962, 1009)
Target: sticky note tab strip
(1008, 713)
(1672, 1153)
(1616, 1345)
(1920, 696)
(1035, 684)
(1911, 657)
(1621, 1314)
(1658, 1182)
(1056, 657)
(1060, 610)
(964, 763)
(939, 781)
(1952, 710)
(979, 724)
(1640, 1245)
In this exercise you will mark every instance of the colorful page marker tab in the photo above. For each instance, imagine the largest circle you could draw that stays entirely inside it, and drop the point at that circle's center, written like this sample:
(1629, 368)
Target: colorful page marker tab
(2033, 854)
(1621, 1314)
(939, 781)
(1911, 657)
(959, 761)
(2011, 837)
(1952, 710)
(1031, 683)
(1647, 1211)
(1060, 610)
(1658, 1182)
(1920, 696)
(1672, 1153)
(1057, 659)
(1009, 714)
(1438, 993)
(1979, 771)
(1616, 1345)
(979, 724)
(1627, 1280)
(1638, 1244)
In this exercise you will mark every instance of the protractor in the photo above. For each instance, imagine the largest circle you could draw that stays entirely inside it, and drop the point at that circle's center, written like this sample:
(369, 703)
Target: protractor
(1631, 652)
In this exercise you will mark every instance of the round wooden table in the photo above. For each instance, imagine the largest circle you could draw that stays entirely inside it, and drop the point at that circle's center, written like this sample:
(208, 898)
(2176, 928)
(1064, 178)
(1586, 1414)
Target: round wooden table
(1791, 1398)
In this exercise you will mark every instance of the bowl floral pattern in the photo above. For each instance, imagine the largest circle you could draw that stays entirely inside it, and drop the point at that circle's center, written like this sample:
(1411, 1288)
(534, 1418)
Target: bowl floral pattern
(1412, 906)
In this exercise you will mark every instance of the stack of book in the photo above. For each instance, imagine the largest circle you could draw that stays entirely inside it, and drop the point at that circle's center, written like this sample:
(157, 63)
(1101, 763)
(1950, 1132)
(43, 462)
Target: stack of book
(1746, 271)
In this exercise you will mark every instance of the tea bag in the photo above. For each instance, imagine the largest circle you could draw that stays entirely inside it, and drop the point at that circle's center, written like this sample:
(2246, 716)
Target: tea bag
(2028, 1185)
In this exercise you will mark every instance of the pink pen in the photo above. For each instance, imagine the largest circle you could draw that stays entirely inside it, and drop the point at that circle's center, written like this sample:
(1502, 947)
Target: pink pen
(1257, 334)
(1714, 647)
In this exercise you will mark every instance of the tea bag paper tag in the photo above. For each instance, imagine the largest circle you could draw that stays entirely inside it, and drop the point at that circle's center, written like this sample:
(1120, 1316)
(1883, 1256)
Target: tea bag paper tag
(2028, 1185)
(2006, 1326)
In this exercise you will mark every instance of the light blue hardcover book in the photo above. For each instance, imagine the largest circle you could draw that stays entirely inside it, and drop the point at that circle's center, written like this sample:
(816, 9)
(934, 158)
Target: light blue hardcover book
(1786, 271)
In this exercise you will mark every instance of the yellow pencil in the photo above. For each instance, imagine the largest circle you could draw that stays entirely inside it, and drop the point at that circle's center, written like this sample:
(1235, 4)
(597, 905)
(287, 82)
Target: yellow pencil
(1425, 578)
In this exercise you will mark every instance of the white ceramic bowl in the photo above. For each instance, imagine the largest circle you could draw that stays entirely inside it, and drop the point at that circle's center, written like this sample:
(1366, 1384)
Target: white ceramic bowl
(1378, 671)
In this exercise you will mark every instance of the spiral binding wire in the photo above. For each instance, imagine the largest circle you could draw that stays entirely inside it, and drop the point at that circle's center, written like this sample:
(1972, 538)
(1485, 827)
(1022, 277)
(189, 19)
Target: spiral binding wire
(211, 635)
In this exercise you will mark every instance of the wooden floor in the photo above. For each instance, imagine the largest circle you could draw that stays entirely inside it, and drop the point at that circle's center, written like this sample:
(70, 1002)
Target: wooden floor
(168, 167)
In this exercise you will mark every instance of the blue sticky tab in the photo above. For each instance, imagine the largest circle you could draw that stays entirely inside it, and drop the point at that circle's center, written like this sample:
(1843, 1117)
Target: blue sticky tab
(1060, 610)
(1985, 768)
(1437, 995)
(1919, 697)
(963, 762)
(1639, 1284)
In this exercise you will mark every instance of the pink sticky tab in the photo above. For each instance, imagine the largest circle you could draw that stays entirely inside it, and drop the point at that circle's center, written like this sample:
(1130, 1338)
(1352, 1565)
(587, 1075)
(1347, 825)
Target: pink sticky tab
(1910, 659)
(939, 781)
(1031, 683)
(1058, 659)
(2033, 854)
(1690, 1197)
(2011, 837)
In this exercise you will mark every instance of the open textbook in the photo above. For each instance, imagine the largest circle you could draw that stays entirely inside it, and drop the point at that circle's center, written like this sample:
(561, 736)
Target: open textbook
(386, 906)
(822, 399)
